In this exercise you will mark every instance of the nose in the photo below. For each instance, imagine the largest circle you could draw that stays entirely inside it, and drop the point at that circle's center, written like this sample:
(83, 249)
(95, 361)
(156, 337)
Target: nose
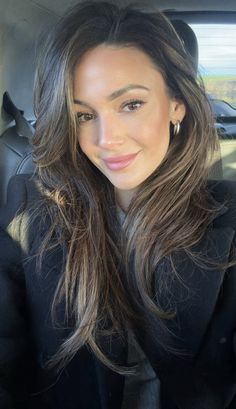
(110, 133)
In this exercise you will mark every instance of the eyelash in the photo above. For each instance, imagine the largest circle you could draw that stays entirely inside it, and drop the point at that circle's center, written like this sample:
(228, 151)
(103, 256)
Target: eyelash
(89, 116)
(133, 102)
(85, 114)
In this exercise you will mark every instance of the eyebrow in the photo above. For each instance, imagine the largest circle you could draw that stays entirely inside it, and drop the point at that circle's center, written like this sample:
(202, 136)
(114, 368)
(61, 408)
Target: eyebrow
(116, 93)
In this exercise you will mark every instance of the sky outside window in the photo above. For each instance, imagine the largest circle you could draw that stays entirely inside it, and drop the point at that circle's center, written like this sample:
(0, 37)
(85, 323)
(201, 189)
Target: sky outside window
(217, 59)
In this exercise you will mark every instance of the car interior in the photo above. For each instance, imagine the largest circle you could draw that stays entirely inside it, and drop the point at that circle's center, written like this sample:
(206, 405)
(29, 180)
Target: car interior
(206, 28)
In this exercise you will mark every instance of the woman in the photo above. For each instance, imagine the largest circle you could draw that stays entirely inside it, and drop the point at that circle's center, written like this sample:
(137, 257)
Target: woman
(117, 267)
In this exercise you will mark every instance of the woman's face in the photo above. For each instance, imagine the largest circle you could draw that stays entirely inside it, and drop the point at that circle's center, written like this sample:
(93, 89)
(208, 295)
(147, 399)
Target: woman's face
(124, 114)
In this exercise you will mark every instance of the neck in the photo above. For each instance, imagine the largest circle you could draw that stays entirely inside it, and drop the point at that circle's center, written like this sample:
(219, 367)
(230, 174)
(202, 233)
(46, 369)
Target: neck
(124, 198)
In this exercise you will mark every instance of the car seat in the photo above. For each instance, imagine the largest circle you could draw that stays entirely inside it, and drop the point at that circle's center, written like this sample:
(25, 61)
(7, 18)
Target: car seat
(15, 147)
(189, 40)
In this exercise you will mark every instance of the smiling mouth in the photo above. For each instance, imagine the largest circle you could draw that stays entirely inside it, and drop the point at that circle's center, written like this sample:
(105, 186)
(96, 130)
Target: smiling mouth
(119, 162)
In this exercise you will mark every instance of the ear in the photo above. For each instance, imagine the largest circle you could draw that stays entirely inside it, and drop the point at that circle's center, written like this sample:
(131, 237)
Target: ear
(177, 110)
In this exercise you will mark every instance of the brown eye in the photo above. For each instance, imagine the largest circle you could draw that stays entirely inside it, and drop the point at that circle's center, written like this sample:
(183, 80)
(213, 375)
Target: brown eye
(133, 105)
(84, 117)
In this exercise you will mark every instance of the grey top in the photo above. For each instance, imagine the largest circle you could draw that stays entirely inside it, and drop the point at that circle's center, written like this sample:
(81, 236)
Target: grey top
(142, 389)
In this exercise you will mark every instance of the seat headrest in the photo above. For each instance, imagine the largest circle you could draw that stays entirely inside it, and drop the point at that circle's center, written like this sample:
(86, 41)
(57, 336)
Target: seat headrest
(189, 39)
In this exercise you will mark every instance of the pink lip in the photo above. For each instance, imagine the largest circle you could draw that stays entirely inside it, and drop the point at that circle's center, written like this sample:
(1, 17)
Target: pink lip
(120, 162)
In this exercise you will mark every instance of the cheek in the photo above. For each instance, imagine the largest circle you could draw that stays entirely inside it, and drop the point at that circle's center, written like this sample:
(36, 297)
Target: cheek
(154, 133)
(154, 124)
(86, 147)
(82, 144)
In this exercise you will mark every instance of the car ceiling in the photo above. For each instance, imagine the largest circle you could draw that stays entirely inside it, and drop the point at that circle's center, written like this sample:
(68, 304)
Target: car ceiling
(60, 6)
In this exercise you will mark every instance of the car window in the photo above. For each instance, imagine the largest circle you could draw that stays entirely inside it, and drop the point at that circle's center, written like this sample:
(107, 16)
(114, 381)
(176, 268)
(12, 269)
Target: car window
(217, 64)
(217, 67)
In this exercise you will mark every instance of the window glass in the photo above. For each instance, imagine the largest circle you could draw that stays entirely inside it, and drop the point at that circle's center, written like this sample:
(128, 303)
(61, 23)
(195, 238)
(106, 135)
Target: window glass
(217, 64)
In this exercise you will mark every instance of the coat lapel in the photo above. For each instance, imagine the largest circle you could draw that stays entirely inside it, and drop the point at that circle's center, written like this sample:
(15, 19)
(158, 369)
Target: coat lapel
(110, 383)
(194, 296)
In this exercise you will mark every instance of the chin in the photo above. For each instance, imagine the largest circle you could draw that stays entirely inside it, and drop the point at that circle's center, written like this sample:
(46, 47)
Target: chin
(125, 186)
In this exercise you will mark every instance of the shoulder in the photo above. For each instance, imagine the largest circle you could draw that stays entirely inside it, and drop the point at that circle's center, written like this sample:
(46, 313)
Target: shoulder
(23, 197)
(22, 192)
(224, 192)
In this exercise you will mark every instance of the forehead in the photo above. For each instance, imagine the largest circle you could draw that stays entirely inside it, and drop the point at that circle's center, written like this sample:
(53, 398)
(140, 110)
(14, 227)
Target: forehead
(108, 67)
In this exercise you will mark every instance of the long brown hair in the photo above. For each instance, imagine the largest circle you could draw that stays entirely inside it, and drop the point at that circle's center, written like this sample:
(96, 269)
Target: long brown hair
(171, 210)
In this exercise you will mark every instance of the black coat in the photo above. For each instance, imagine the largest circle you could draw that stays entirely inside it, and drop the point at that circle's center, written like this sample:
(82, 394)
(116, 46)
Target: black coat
(200, 374)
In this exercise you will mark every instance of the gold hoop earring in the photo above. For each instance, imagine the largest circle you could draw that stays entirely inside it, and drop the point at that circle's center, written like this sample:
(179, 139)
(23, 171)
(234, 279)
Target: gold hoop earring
(176, 128)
